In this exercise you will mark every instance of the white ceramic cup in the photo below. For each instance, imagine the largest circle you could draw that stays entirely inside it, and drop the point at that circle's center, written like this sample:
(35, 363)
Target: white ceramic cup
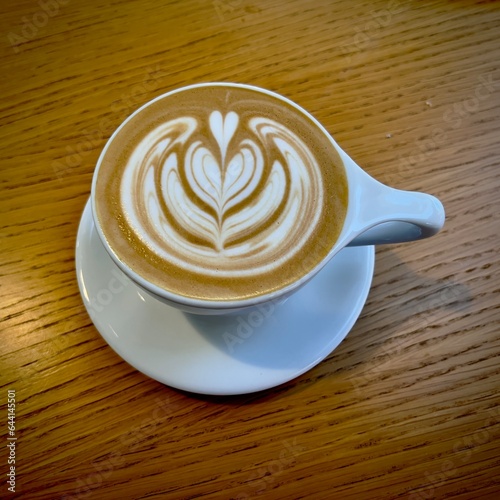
(376, 214)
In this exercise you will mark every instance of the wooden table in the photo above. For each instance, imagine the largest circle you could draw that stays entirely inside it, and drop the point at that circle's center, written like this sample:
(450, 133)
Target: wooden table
(408, 406)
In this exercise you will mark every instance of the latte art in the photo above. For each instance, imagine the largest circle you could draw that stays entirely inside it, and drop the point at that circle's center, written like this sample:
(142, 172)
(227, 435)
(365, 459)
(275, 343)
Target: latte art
(239, 204)
(220, 192)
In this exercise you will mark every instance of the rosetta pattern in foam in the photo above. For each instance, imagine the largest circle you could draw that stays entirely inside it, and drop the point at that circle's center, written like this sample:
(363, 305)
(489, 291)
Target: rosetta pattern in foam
(242, 201)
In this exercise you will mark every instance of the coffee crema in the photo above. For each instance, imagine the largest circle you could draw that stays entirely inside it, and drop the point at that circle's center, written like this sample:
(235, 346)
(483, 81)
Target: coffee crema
(220, 192)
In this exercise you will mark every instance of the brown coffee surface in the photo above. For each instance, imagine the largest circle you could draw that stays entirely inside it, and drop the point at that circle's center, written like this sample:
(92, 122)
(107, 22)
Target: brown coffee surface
(220, 193)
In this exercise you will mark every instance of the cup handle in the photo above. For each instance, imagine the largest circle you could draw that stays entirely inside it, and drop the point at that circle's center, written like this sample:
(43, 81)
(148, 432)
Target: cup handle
(386, 215)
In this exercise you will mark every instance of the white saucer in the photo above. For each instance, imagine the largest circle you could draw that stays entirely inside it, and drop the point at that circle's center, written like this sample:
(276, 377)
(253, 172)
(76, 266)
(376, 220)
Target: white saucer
(217, 355)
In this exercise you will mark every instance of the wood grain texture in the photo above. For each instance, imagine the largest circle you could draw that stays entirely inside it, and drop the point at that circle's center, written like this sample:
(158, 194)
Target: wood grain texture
(408, 406)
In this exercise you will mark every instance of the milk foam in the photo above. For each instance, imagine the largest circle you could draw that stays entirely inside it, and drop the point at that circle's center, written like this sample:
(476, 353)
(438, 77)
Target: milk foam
(242, 201)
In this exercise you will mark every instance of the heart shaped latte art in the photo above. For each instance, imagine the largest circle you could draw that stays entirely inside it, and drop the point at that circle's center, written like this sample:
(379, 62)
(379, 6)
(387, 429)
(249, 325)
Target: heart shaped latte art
(222, 197)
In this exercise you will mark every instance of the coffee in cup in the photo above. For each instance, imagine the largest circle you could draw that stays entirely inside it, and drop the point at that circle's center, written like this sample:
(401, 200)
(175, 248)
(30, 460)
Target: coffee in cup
(220, 192)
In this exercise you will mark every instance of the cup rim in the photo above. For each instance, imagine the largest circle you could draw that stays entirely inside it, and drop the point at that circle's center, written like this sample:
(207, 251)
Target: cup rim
(213, 304)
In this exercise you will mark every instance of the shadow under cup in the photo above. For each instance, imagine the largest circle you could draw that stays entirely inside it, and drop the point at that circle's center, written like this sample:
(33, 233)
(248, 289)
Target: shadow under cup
(219, 197)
